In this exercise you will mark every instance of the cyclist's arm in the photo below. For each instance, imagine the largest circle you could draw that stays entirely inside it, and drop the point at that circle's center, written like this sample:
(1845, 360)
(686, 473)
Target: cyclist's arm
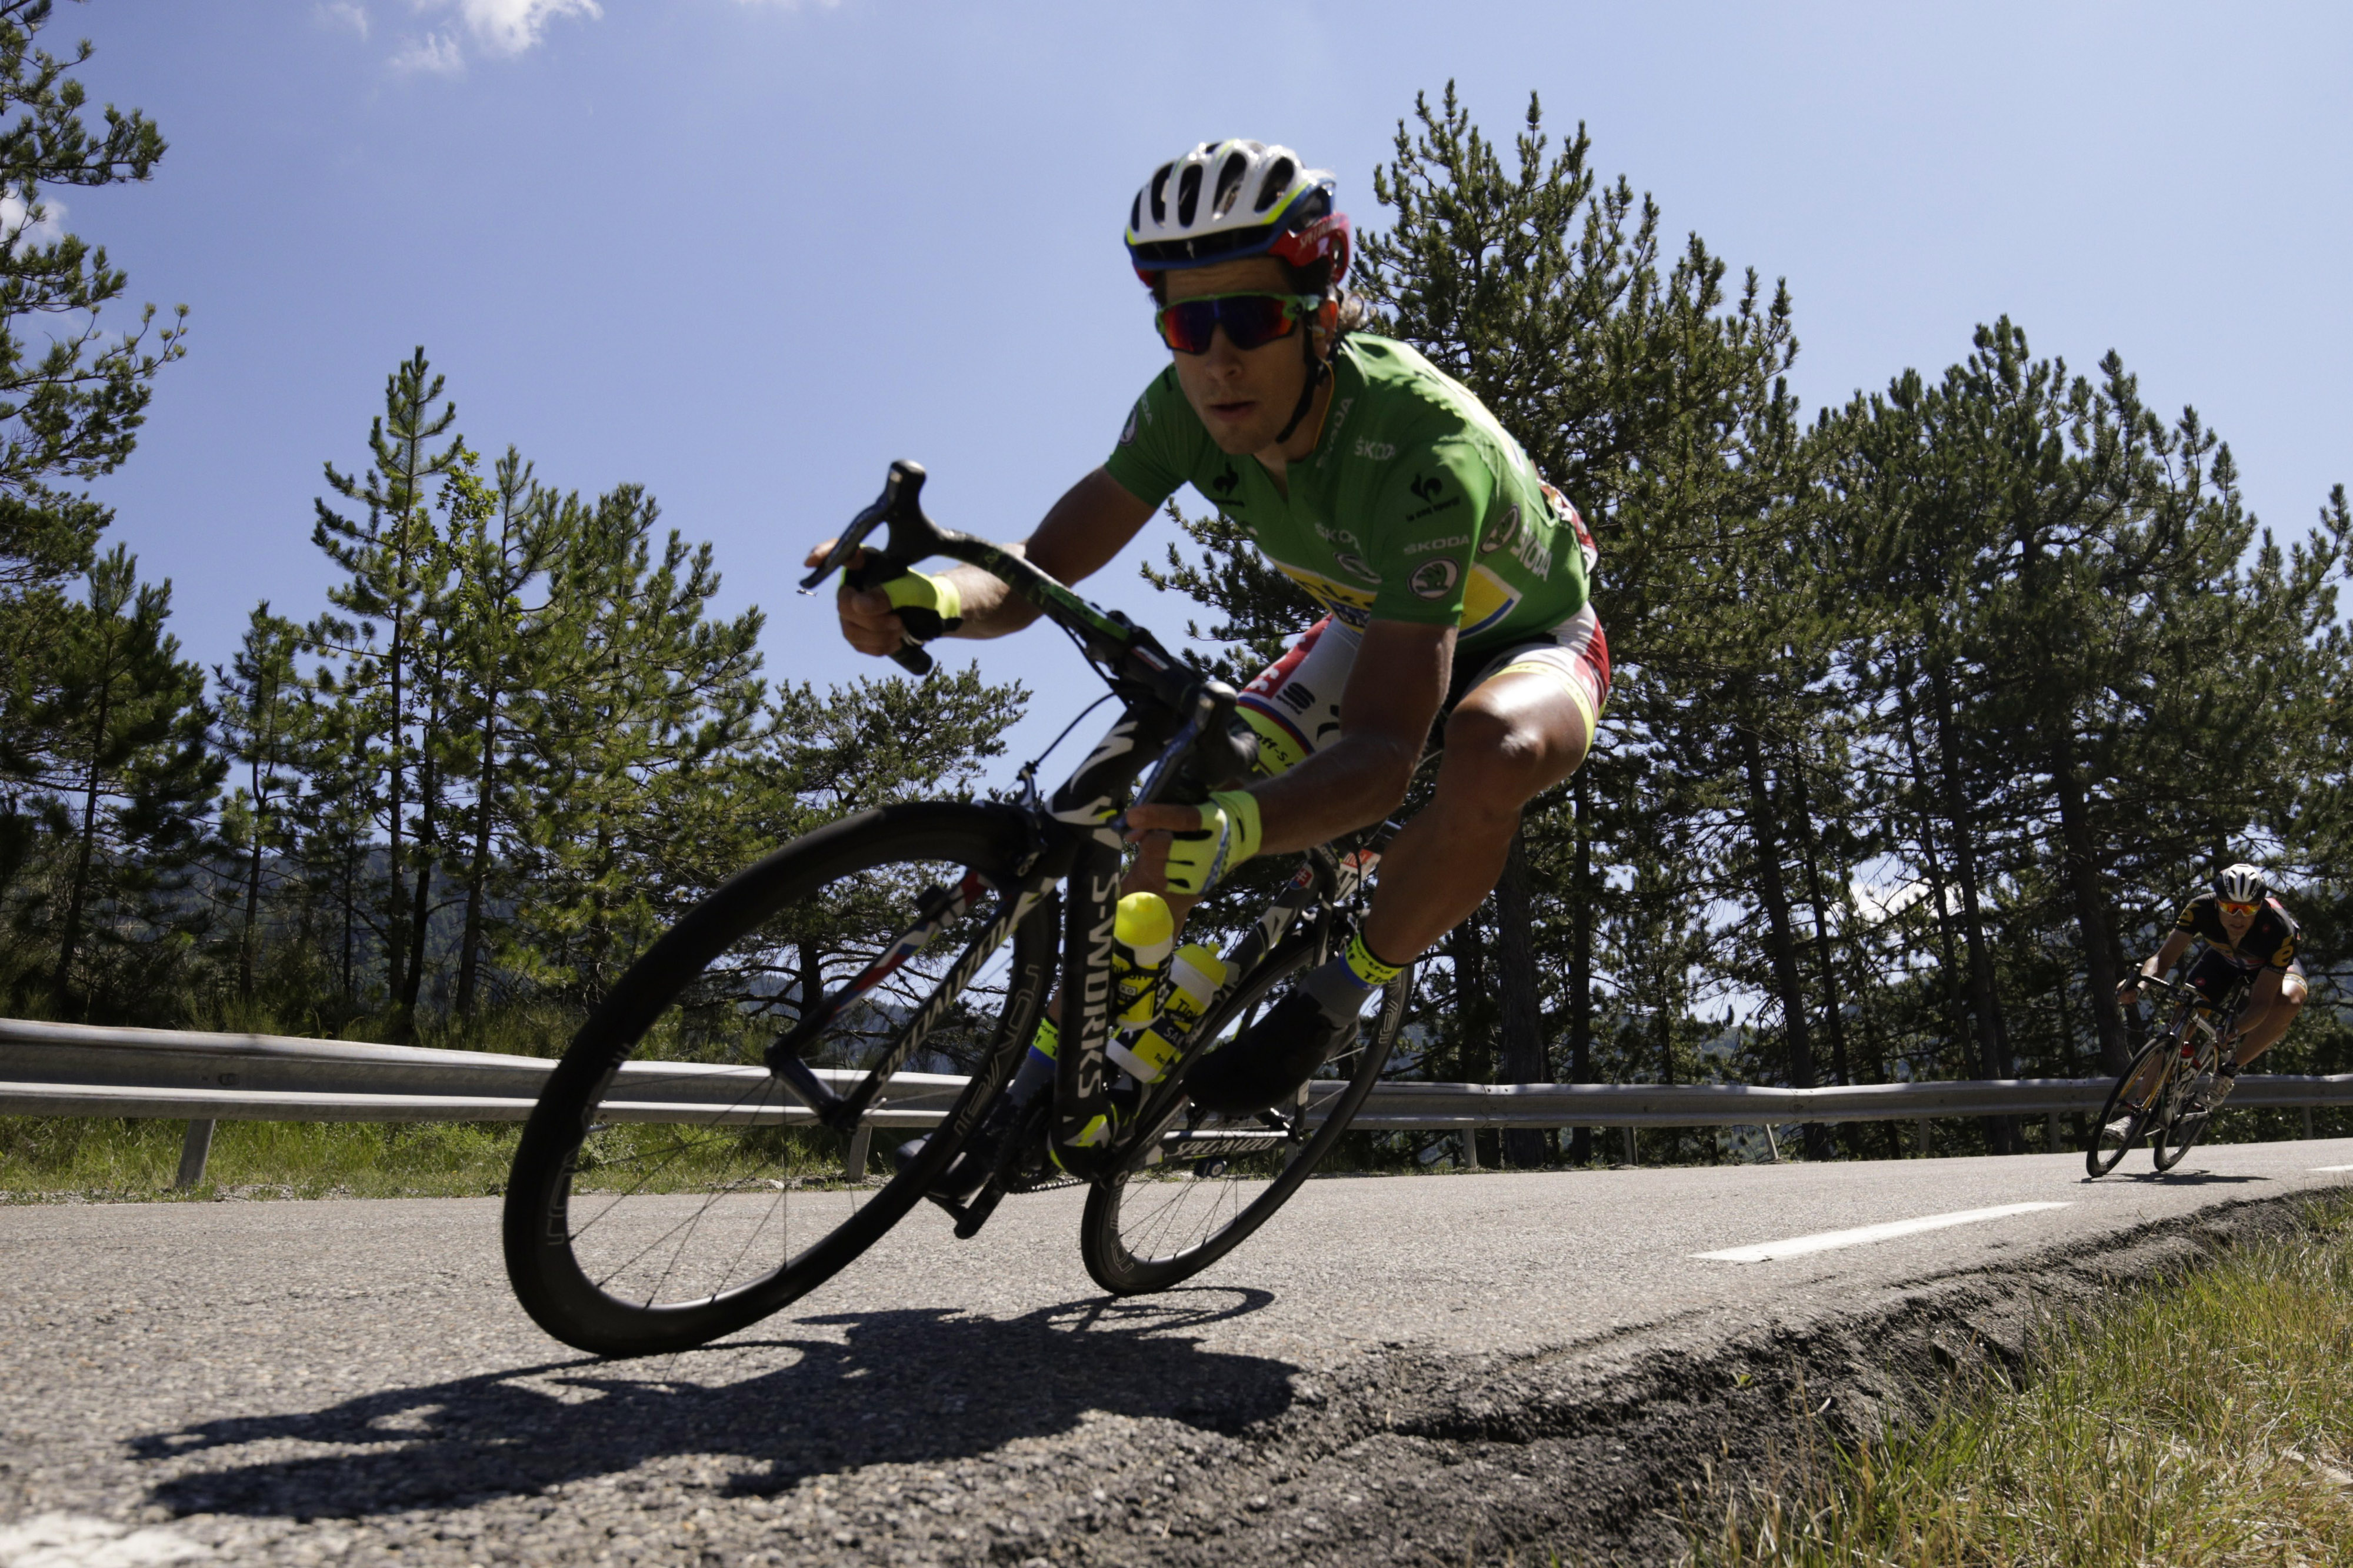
(2166, 957)
(1093, 523)
(1391, 700)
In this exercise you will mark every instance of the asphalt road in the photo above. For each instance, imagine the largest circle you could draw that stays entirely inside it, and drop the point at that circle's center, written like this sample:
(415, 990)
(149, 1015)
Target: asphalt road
(1428, 1368)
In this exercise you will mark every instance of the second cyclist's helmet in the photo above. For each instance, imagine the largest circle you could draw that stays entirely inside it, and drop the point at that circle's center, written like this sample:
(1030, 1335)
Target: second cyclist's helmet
(2241, 884)
(1226, 200)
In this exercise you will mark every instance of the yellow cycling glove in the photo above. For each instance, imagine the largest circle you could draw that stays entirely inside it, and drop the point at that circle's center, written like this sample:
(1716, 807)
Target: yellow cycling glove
(928, 607)
(1229, 835)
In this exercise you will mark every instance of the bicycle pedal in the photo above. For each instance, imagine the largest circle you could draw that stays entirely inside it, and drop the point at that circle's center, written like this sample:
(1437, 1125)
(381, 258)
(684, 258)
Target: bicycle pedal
(971, 1216)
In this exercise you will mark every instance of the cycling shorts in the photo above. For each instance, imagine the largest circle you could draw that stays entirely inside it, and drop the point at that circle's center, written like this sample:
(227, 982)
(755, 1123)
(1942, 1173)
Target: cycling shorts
(1294, 707)
(2214, 973)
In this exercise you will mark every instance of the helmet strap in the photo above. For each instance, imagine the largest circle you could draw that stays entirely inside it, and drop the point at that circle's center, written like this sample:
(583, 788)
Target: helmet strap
(1317, 369)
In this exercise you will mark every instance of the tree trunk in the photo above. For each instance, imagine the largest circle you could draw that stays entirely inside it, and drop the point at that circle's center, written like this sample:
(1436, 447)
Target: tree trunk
(1779, 933)
(252, 896)
(1523, 1015)
(1809, 857)
(2091, 909)
(1580, 959)
(397, 926)
(1474, 1019)
(1938, 883)
(470, 945)
(76, 897)
(1993, 1044)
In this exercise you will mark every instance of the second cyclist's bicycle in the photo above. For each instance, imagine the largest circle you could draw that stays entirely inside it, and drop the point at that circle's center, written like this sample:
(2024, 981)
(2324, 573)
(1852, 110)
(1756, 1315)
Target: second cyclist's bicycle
(681, 1175)
(2156, 1098)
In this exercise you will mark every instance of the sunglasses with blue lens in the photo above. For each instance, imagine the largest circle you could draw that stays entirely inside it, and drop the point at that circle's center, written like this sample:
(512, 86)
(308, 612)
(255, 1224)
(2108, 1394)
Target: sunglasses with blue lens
(1251, 320)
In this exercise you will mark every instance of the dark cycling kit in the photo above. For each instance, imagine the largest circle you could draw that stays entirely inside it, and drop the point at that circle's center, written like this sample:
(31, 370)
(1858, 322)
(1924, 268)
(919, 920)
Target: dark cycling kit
(2270, 943)
(1416, 505)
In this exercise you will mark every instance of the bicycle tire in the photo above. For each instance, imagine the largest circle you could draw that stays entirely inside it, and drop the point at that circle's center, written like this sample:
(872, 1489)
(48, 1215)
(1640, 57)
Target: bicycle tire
(741, 1159)
(2103, 1153)
(1104, 1242)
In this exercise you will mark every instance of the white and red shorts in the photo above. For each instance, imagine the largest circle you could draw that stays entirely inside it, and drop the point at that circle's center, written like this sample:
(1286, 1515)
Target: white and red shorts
(1293, 706)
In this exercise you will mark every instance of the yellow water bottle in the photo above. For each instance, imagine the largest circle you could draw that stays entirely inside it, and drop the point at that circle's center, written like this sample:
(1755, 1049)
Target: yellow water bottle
(1194, 979)
(1142, 932)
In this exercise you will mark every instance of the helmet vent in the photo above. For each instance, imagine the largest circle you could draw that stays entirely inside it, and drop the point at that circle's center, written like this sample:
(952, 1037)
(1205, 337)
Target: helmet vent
(1135, 213)
(1278, 180)
(1160, 193)
(1188, 194)
(1230, 183)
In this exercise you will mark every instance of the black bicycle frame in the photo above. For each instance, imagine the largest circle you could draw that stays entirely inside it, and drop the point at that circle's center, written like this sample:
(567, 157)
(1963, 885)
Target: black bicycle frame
(1172, 713)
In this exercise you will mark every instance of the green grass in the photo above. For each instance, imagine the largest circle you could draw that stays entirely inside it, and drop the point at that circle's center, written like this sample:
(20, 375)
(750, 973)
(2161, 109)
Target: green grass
(2206, 1420)
(53, 1159)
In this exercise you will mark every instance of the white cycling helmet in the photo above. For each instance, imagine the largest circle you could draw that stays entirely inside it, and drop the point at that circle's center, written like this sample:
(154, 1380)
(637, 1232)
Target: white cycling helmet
(2241, 884)
(1225, 200)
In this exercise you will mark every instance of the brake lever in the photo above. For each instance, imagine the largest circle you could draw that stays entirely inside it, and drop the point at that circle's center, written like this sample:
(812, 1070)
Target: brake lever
(900, 496)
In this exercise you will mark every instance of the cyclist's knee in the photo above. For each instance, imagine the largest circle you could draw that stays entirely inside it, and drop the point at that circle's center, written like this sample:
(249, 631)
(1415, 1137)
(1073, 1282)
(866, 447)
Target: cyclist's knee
(1497, 758)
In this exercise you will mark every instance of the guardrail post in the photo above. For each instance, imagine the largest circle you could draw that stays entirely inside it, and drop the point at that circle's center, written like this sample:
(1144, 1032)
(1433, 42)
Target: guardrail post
(1630, 1156)
(2051, 1133)
(194, 1150)
(1471, 1147)
(2307, 1124)
(1923, 1125)
(853, 1161)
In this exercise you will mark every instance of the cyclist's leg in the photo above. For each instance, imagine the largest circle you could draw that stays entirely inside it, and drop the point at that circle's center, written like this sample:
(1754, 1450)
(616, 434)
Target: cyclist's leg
(1524, 725)
(2264, 1030)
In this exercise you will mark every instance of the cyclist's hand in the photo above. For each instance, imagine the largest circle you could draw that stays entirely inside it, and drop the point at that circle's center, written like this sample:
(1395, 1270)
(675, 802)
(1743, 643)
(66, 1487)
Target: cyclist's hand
(1189, 849)
(879, 620)
(2129, 991)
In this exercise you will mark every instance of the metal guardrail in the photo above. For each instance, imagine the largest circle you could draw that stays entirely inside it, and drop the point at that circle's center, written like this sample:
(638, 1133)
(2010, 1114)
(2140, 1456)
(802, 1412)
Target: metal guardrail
(70, 1069)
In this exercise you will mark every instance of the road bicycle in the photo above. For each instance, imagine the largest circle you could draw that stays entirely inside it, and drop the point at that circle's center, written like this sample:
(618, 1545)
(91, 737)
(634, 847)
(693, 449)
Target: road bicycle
(2155, 1096)
(782, 1007)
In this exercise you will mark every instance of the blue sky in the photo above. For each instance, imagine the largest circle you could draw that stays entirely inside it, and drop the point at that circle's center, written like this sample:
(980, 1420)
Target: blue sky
(747, 251)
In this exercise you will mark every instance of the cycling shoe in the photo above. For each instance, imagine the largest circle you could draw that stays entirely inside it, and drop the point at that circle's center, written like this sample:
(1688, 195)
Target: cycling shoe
(1268, 1062)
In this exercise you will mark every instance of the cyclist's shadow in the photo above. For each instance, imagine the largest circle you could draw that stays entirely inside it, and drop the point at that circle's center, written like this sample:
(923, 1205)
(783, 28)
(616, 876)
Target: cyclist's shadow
(902, 1387)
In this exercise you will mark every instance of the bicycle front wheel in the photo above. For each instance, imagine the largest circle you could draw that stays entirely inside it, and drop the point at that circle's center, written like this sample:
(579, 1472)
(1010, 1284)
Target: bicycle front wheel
(2177, 1134)
(666, 1190)
(1189, 1196)
(2132, 1103)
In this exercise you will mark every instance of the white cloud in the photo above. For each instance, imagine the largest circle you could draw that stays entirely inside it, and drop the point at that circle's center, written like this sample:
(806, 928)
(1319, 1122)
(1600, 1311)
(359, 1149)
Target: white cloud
(16, 233)
(510, 26)
(343, 14)
(434, 54)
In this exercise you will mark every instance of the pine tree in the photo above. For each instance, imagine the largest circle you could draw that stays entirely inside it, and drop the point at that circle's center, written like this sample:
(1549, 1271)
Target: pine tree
(124, 770)
(261, 727)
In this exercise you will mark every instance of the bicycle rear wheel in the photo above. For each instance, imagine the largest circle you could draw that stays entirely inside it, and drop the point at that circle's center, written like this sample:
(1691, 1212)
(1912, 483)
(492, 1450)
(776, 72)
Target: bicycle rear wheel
(2124, 1119)
(666, 1191)
(1190, 1197)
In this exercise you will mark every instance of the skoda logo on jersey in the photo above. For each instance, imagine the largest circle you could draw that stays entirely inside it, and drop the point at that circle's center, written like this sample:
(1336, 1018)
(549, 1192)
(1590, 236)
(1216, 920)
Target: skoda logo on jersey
(1505, 531)
(1379, 451)
(1434, 579)
(1426, 488)
(1127, 431)
(1224, 483)
(1356, 567)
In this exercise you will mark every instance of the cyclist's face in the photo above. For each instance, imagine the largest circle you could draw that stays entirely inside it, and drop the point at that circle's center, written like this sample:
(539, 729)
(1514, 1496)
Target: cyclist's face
(2236, 922)
(1243, 396)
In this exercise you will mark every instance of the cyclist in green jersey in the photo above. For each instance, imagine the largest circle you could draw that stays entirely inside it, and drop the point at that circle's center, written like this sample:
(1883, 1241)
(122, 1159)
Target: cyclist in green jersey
(1449, 572)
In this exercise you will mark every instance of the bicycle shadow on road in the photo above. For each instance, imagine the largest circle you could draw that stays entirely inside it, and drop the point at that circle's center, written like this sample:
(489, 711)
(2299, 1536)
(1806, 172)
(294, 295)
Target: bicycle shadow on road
(899, 1387)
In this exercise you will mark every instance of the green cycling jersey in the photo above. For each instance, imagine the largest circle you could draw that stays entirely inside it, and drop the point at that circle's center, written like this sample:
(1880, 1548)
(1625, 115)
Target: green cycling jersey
(1416, 505)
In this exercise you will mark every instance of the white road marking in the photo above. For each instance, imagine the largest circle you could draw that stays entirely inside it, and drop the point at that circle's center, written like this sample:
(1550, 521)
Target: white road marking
(2333, 1167)
(76, 1540)
(1797, 1246)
